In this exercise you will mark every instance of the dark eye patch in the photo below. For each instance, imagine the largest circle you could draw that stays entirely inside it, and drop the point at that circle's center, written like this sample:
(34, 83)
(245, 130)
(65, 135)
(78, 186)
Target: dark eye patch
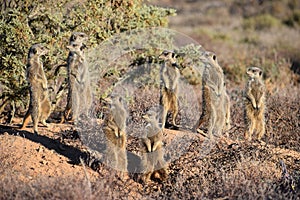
(214, 57)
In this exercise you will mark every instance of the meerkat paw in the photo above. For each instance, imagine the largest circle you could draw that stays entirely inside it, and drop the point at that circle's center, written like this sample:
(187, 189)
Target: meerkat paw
(146, 178)
(35, 132)
(176, 126)
(62, 120)
(45, 124)
(261, 142)
(22, 127)
(202, 132)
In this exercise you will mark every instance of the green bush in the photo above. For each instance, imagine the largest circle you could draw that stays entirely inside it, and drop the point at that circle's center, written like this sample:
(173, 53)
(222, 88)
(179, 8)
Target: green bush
(294, 19)
(261, 22)
(24, 23)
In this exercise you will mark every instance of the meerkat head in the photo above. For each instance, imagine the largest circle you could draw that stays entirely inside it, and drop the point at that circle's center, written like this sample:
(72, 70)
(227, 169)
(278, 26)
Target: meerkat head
(115, 101)
(78, 37)
(254, 72)
(76, 48)
(209, 57)
(150, 115)
(37, 50)
(168, 56)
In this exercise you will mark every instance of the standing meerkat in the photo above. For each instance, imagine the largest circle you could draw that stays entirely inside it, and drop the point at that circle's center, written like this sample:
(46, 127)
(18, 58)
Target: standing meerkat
(81, 97)
(169, 88)
(216, 103)
(39, 105)
(114, 129)
(75, 61)
(254, 103)
(153, 162)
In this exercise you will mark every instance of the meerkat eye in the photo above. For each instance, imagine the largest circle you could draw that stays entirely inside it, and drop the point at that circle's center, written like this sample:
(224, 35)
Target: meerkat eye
(214, 57)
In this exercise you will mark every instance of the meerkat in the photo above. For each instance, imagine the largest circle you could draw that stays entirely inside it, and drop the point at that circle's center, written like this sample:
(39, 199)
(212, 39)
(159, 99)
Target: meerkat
(39, 105)
(169, 88)
(75, 61)
(153, 161)
(114, 129)
(79, 94)
(254, 103)
(214, 97)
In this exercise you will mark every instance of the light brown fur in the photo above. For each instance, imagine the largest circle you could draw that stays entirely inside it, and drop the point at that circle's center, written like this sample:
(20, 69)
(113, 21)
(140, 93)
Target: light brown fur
(216, 102)
(227, 105)
(254, 102)
(153, 162)
(114, 129)
(169, 89)
(39, 105)
(75, 61)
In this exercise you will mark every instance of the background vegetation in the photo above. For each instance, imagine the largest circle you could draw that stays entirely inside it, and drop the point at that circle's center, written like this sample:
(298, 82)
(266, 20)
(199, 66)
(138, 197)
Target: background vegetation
(263, 33)
(24, 23)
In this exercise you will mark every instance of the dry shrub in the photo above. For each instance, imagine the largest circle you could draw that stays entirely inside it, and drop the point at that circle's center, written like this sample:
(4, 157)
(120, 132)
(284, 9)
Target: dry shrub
(283, 119)
(58, 188)
(248, 172)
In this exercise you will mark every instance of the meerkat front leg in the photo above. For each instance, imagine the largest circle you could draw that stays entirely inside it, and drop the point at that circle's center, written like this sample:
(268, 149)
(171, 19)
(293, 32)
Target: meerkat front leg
(156, 144)
(251, 97)
(147, 142)
(260, 102)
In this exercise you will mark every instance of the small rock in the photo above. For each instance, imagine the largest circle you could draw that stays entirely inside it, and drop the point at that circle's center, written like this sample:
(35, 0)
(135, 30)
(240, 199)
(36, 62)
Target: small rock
(39, 149)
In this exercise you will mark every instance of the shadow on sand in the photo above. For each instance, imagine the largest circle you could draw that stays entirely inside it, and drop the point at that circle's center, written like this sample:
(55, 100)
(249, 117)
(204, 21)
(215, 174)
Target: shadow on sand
(73, 154)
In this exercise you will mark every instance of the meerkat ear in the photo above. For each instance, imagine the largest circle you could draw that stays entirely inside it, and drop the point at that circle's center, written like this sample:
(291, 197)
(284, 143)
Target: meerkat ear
(260, 73)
